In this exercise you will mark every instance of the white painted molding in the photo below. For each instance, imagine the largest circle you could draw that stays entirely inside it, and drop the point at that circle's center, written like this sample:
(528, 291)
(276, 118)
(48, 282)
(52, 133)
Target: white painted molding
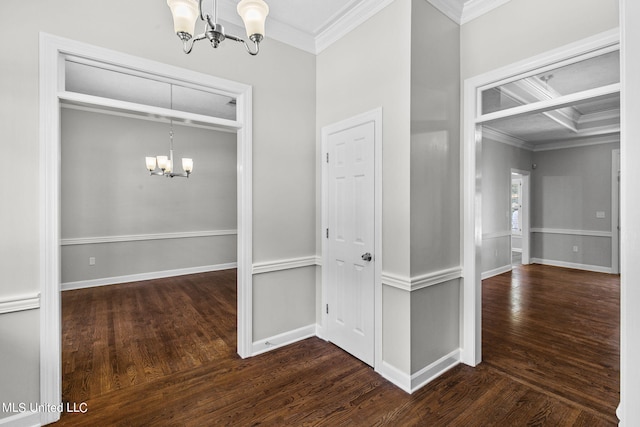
(476, 8)
(504, 138)
(283, 339)
(145, 276)
(434, 370)
(451, 8)
(142, 237)
(395, 376)
(22, 419)
(565, 264)
(435, 278)
(396, 281)
(591, 233)
(495, 271)
(496, 235)
(611, 138)
(283, 264)
(422, 281)
(349, 21)
(412, 383)
(19, 303)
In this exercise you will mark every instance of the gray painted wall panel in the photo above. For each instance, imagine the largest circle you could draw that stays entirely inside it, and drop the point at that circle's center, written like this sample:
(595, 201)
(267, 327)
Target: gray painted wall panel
(435, 323)
(592, 250)
(291, 301)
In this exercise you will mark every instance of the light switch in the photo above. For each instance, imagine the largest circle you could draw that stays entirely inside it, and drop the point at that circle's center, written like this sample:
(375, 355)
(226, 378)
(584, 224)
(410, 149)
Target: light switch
(600, 214)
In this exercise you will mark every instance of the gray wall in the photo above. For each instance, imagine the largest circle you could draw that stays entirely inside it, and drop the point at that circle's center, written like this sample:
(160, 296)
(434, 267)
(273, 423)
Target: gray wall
(435, 181)
(106, 192)
(520, 29)
(355, 76)
(568, 187)
(497, 161)
(283, 80)
(417, 86)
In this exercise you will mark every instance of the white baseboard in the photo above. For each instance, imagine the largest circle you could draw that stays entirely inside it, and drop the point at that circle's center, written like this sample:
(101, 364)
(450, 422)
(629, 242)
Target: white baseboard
(22, 419)
(495, 271)
(285, 338)
(412, 383)
(434, 370)
(145, 276)
(565, 264)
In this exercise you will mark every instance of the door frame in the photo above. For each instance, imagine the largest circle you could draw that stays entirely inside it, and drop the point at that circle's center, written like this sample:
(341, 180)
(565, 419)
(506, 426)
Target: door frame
(615, 211)
(53, 50)
(471, 171)
(374, 116)
(526, 214)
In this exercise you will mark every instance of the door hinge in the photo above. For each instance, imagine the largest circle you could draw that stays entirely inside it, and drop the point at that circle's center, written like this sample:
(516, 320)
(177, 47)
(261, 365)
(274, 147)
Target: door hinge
(327, 233)
(327, 308)
(327, 157)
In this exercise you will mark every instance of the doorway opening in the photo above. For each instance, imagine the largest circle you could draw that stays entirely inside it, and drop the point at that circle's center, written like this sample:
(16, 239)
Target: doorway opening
(500, 99)
(55, 54)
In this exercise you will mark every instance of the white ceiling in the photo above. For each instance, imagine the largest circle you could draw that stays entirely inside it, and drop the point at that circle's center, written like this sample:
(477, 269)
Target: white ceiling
(312, 25)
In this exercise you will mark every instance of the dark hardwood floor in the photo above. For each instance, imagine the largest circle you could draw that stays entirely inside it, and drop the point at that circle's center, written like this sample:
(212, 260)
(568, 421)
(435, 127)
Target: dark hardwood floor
(163, 353)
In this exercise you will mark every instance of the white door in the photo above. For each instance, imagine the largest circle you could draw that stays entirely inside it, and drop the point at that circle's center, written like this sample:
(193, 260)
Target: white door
(350, 235)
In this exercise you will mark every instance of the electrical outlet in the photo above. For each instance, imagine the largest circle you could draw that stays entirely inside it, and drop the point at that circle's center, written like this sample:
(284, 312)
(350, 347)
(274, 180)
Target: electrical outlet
(92, 260)
(575, 249)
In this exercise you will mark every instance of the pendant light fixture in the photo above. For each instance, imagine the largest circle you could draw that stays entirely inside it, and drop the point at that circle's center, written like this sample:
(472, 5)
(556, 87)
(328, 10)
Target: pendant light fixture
(163, 165)
(185, 14)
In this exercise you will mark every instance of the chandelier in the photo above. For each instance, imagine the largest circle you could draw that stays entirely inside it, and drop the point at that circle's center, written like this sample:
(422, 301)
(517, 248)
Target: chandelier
(185, 13)
(163, 165)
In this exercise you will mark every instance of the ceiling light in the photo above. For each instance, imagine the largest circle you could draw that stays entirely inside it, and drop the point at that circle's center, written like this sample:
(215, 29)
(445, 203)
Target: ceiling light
(185, 14)
(163, 165)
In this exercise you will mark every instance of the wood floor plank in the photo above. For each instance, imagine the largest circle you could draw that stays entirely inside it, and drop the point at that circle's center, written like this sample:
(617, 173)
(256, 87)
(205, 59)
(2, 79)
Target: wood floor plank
(163, 353)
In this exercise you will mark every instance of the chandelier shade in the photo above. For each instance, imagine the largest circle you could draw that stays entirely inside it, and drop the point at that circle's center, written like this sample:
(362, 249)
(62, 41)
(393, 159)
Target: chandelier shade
(254, 14)
(186, 12)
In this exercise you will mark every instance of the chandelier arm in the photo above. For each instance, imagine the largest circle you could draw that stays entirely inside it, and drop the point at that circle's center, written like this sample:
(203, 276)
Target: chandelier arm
(246, 46)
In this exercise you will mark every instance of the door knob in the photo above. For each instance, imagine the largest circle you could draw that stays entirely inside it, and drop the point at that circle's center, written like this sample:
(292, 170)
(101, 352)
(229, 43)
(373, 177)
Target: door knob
(366, 257)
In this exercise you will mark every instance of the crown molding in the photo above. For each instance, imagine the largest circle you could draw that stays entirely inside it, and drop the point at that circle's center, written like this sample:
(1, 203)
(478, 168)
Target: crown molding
(451, 8)
(612, 138)
(504, 138)
(476, 8)
(349, 21)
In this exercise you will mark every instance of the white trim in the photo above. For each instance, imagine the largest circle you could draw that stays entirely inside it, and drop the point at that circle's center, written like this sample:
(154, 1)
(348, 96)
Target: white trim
(283, 339)
(395, 281)
(348, 22)
(591, 233)
(549, 104)
(612, 138)
(283, 264)
(132, 108)
(395, 376)
(434, 370)
(19, 303)
(143, 237)
(145, 276)
(450, 8)
(496, 271)
(470, 155)
(476, 8)
(52, 52)
(496, 235)
(504, 138)
(22, 419)
(422, 281)
(374, 116)
(574, 265)
(414, 382)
